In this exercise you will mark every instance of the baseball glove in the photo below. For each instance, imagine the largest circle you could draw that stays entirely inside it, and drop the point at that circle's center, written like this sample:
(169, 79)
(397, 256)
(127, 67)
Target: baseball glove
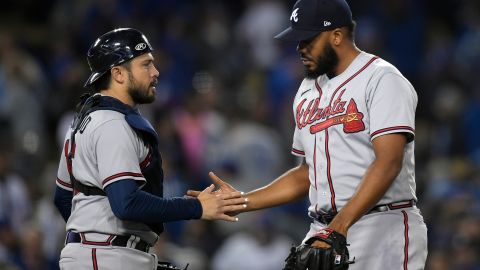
(307, 257)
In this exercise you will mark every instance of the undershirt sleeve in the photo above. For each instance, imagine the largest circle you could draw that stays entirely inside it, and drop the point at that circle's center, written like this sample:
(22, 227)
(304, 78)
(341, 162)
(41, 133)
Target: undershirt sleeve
(129, 202)
(63, 202)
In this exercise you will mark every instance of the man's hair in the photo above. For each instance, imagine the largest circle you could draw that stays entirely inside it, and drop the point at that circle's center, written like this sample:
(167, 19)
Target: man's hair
(103, 82)
(351, 30)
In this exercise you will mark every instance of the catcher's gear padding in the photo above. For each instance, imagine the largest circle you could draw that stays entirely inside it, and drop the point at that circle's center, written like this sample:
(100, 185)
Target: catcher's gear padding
(305, 256)
(113, 48)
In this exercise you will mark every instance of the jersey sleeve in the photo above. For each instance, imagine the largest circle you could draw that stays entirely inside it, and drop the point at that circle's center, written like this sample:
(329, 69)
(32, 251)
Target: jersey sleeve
(63, 177)
(118, 150)
(297, 147)
(392, 104)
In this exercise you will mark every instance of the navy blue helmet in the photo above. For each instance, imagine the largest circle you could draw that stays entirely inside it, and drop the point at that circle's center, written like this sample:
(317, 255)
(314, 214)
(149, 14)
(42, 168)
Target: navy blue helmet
(114, 48)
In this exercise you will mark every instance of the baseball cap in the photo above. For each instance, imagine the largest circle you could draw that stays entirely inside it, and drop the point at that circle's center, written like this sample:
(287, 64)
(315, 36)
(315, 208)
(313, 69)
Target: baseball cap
(310, 17)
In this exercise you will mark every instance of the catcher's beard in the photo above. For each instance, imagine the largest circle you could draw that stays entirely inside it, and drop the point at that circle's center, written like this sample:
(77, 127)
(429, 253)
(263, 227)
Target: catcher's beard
(325, 64)
(139, 93)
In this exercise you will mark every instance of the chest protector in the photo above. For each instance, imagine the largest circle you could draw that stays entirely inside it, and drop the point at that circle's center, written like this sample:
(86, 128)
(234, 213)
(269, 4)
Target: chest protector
(153, 172)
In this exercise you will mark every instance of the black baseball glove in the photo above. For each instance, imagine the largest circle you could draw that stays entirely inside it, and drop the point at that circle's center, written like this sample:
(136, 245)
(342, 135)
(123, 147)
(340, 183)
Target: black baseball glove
(305, 256)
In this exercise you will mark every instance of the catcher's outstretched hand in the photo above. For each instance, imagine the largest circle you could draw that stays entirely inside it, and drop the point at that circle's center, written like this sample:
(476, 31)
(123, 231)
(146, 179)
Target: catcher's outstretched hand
(223, 188)
(217, 206)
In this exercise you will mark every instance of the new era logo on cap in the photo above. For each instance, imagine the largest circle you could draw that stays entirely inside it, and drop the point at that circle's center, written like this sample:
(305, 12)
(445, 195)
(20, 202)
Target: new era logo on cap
(316, 16)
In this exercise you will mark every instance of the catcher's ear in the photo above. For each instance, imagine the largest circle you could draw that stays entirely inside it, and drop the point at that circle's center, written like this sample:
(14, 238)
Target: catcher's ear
(119, 74)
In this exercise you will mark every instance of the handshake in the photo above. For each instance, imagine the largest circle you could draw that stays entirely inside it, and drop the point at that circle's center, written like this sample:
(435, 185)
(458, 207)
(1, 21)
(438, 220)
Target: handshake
(220, 204)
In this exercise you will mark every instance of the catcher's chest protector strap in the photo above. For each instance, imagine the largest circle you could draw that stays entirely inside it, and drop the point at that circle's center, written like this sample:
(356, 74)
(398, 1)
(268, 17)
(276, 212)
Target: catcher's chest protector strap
(83, 109)
(152, 173)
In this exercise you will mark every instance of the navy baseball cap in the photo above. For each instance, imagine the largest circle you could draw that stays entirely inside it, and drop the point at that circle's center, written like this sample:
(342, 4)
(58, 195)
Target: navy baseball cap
(310, 17)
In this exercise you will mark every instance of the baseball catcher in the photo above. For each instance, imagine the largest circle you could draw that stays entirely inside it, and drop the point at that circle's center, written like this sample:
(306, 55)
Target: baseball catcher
(110, 177)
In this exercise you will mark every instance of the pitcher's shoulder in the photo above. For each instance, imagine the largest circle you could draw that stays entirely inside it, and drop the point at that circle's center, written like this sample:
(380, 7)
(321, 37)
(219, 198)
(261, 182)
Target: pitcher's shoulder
(381, 66)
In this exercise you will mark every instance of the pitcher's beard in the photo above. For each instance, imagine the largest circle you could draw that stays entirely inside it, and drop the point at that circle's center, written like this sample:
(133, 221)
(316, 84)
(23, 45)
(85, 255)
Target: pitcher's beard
(323, 64)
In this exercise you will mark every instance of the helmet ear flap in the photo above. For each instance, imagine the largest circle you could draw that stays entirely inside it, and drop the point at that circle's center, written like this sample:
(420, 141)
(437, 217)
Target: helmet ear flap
(113, 48)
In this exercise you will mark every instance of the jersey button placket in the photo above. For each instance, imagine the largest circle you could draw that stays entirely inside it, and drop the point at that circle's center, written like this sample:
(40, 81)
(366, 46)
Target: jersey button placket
(327, 93)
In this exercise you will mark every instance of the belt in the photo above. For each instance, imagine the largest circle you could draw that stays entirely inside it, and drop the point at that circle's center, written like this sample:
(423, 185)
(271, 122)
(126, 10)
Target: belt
(130, 241)
(326, 218)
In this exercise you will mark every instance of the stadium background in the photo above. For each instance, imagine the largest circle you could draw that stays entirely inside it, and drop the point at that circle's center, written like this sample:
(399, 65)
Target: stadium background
(224, 104)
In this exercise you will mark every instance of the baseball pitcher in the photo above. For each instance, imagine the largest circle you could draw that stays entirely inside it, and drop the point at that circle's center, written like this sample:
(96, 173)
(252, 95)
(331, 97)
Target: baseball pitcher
(355, 129)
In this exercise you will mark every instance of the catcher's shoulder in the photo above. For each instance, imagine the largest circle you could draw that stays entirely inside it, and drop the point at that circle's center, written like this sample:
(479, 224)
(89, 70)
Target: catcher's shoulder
(104, 119)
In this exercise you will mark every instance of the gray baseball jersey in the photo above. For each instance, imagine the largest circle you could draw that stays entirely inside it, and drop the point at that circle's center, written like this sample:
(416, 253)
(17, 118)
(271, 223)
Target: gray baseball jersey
(108, 150)
(336, 121)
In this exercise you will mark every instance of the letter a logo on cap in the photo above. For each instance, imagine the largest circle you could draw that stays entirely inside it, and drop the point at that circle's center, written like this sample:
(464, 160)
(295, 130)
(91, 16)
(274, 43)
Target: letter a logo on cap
(294, 15)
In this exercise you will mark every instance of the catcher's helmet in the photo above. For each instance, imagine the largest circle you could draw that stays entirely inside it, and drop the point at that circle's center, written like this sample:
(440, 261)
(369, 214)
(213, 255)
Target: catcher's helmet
(113, 48)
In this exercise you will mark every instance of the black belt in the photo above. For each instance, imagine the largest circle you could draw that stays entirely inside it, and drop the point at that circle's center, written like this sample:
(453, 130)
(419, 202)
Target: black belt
(326, 218)
(113, 240)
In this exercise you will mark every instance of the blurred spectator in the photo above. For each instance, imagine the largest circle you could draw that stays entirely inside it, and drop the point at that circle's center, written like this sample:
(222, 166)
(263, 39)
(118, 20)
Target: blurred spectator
(254, 152)
(469, 124)
(258, 247)
(200, 127)
(258, 24)
(23, 85)
(15, 206)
